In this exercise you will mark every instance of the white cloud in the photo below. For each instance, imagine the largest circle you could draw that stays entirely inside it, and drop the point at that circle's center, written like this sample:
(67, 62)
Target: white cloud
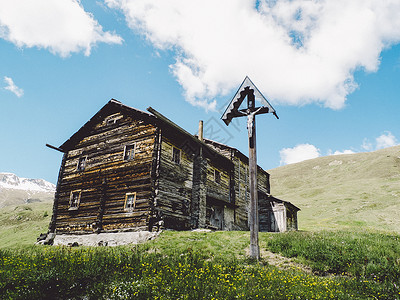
(60, 26)
(298, 153)
(295, 51)
(337, 152)
(12, 87)
(306, 151)
(385, 140)
(367, 145)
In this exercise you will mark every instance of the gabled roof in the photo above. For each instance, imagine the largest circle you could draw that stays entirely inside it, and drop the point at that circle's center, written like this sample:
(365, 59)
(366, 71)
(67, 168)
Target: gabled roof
(153, 117)
(113, 106)
(272, 198)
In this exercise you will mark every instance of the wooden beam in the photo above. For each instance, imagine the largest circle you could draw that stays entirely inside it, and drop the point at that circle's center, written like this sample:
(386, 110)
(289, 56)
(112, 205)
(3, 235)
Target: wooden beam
(54, 148)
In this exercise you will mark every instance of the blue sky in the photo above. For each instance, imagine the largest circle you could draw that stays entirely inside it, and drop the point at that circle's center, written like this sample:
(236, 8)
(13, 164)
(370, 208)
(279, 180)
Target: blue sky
(331, 70)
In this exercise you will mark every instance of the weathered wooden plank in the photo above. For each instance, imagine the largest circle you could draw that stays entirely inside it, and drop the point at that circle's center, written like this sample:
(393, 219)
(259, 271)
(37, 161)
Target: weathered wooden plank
(104, 150)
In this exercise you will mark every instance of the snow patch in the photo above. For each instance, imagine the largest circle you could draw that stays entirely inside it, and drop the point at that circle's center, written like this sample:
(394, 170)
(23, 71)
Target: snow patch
(12, 181)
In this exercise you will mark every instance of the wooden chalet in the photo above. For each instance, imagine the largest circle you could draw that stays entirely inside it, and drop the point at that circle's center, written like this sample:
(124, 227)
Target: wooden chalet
(130, 170)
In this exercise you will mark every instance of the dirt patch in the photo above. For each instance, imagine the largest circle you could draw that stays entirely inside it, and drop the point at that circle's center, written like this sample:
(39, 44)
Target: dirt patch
(279, 261)
(282, 262)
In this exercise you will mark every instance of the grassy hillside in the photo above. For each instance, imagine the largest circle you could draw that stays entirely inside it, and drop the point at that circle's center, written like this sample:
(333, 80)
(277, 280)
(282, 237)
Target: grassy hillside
(19, 197)
(20, 225)
(343, 191)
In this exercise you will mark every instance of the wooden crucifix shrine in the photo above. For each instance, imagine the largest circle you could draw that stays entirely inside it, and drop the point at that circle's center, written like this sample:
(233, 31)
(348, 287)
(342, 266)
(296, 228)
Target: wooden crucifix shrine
(249, 90)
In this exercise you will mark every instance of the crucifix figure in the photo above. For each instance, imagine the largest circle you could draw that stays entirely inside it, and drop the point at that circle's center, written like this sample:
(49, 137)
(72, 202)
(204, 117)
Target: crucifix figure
(249, 90)
(251, 121)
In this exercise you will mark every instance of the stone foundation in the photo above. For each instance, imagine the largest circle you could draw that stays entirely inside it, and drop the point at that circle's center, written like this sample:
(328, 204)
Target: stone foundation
(104, 239)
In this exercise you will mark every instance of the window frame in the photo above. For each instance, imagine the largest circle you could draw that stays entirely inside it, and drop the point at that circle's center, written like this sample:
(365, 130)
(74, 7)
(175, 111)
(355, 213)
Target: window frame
(133, 145)
(178, 156)
(111, 121)
(132, 208)
(71, 198)
(217, 178)
(82, 158)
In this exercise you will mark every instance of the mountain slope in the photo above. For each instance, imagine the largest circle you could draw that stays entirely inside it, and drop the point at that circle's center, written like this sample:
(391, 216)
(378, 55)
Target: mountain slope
(15, 190)
(21, 225)
(353, 190)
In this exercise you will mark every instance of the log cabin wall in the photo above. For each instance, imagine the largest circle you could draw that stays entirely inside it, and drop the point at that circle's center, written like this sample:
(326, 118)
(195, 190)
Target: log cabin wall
(291, 215)
(218, 181)
(175, 184)
(242, 192)
(108, 177)
(198, 209)
(242, 189)
(53, 222)
(155, 222)
(240, 184)
(266, 216)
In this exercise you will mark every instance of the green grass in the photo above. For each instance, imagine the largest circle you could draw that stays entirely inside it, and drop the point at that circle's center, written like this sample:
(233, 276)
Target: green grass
(373, 256)
(216, 244)
(22, 224)
(193, 265)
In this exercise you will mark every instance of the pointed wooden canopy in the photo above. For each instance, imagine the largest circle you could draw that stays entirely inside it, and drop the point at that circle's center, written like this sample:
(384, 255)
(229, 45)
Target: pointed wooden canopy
(233, 111)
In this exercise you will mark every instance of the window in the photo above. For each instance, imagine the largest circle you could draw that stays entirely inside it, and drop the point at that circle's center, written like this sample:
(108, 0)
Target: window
(111, 121)
(81, 163)
(217, 176)
(129, 152)
(176, 155)
(75, 199)
(130, 202)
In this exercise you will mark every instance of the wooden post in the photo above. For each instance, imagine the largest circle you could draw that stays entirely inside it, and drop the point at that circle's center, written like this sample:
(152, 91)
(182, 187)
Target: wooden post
(254, 248)
(253, 221)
